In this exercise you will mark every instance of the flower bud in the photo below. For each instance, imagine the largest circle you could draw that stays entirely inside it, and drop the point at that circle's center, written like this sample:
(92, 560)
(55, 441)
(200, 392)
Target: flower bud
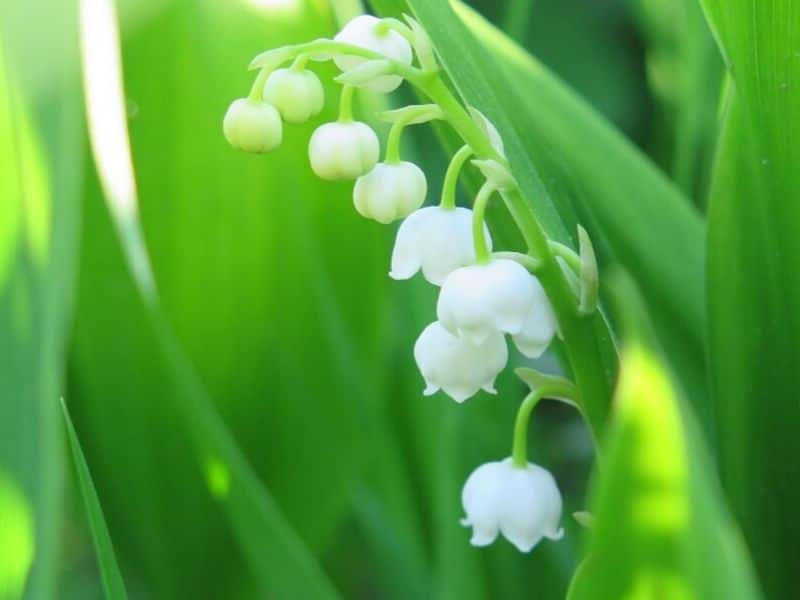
(390, 191)
(522, 503)
(372, 33)
(540, 325)
(479, 300)
(437, 240)
(297, 94)
(252, 126)
(456, 366)
(343, 150)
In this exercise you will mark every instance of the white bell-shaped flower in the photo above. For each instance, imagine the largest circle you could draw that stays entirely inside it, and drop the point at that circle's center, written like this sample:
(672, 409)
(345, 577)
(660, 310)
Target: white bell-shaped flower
(252, 126)
(372, 33)
(479, 300)
(456, 366)
(522, 503)
(296, 93)
(436, 240)
(390, 191)
(343, 150)
(540, 325)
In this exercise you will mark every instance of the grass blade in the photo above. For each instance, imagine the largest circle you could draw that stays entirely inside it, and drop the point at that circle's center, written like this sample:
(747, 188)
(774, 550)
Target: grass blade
(754, 291)
(113, 584)
(40, 166)
(661, 527)
(278, 558)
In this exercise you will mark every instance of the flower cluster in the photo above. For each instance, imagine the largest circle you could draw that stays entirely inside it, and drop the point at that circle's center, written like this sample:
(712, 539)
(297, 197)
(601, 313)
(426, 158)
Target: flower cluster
(483, 296)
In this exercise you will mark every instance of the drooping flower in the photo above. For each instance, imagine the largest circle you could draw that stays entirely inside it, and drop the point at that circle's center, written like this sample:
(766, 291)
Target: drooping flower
(540, 325)
(252, 126)
(372, 33)
(479, 300)
(522, 503)
(296, 93)
(456, 366)
(343, 150)
(436, 240)
(390, 191)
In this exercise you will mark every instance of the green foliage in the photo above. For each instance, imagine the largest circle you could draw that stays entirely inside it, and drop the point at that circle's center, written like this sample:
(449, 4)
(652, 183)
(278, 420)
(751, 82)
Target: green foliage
(113, 584)
(661, 528)
(40, 165)
(754, 324)
(239, 368)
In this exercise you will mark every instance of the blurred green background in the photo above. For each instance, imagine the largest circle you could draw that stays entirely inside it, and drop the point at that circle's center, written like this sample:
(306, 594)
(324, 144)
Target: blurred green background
(279, 295)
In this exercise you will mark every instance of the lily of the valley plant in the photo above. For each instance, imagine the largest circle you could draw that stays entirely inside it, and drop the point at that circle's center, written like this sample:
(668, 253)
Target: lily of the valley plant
(486, 295)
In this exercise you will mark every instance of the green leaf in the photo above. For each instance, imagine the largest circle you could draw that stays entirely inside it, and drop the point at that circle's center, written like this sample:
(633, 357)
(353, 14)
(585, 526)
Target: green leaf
(113, 584)
(40, 166)
(661, 526)
(754, 291)
(279, 559)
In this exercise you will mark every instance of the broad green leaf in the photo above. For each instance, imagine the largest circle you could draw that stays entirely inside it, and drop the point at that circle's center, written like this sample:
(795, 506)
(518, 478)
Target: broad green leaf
(754, 291)
(40, 166)
(661, 528)
(280, 561)
(113, 584)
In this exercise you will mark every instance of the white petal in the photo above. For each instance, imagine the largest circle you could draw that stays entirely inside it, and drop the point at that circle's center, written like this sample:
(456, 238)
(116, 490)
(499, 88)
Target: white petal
(442, 243)
(479, 299)
(531, 506)
(539, 327)
(481, 501)
(454, 365)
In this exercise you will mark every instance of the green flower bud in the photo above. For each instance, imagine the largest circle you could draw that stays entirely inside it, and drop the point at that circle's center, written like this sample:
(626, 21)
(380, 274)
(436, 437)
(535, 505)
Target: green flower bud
(252, 126)
(343, 150)
(297, 94)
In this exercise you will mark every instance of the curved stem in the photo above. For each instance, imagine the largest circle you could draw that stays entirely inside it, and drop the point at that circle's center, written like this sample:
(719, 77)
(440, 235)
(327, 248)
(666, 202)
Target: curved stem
(590, 348)
(300, 62)
(451, 177)
(526, 260)
(393, 143)
(478, 218)
(329, 48)
(568, 254)
(519, 449)
(257, 89)
(346, 104)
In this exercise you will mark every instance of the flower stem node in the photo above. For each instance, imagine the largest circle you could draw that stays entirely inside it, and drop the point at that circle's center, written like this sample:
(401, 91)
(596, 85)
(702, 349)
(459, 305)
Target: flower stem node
(252, 126)
(343, 150)
(296, 93)
(479, 300)
(390, 191)
(373, 34)
(455, 365)
(521, 503)
(436, 240)
(489, 130)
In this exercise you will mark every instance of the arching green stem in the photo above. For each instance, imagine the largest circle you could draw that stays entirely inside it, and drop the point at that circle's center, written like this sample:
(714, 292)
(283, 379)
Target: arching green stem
(346, 104)
(588, 343)
(519, 450)
(482, 255)
(393, 142)
(257, 90)
(300, 62)
(328, 48)
(568, 254)
(451, 177)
